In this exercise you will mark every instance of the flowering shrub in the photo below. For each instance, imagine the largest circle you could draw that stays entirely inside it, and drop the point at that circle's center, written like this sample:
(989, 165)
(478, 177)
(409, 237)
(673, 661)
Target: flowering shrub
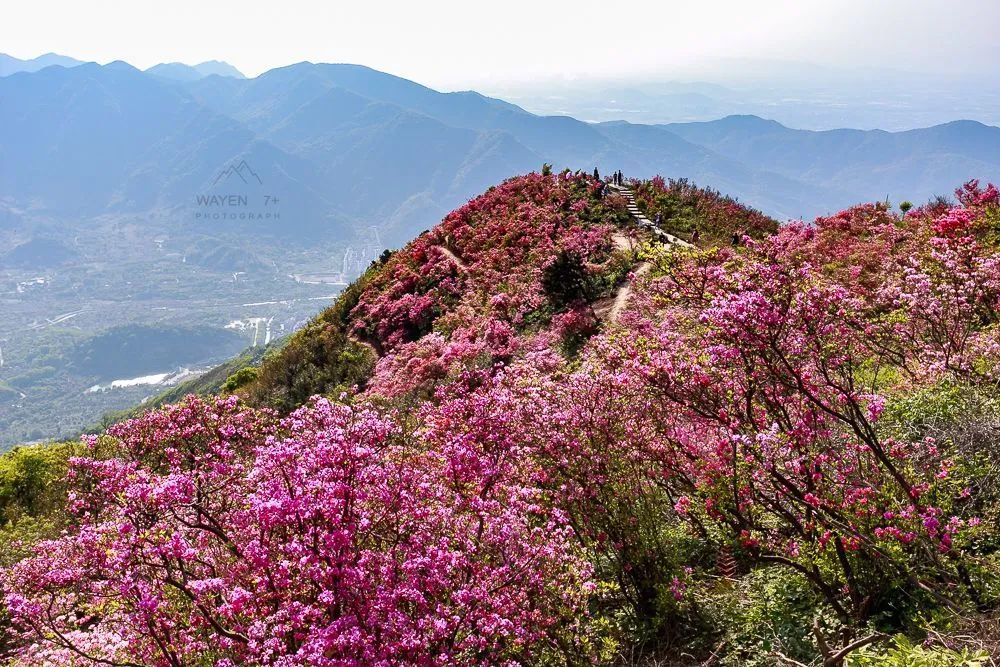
(765, 375)
(414, 368)
(220, 536)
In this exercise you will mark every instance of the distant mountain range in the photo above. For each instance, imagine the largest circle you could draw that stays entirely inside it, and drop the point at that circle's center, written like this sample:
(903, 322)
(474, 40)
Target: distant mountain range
(10, 64)
(191, 199)
(178, 71)
(864, 165)
(337, 147)
(798, 95)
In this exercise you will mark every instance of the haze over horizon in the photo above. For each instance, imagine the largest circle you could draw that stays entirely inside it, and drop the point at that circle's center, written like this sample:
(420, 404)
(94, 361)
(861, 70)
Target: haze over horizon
(468, 46)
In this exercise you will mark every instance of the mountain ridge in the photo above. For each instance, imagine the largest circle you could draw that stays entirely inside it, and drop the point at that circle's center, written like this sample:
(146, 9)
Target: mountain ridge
(759, 161)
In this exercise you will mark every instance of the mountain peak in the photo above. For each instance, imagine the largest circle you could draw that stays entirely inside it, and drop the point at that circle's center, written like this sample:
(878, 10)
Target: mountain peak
(183, 72)
(220, 67)
(121, 65)
(965, 123)
(748, 121)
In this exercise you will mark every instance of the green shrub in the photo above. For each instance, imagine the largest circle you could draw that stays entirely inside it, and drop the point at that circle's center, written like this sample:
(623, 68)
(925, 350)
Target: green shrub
(32, 495)
(769, 611)
(567, 281)
(963, 418)
(241, 378)
(904, 653)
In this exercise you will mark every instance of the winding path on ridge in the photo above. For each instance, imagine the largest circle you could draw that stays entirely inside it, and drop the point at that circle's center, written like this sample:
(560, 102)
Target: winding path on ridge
(644, 222)
(611, 314)
(621, 299)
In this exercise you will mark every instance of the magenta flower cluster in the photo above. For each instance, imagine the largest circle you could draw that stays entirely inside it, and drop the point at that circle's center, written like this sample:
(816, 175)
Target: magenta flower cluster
(220, 535)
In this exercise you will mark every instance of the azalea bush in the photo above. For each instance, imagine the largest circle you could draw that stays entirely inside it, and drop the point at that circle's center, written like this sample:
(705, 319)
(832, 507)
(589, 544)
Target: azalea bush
(766, 373)
(221, 535)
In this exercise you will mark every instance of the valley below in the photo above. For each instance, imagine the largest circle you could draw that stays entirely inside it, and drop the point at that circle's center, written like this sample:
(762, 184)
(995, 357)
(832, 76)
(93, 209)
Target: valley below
(119, 315)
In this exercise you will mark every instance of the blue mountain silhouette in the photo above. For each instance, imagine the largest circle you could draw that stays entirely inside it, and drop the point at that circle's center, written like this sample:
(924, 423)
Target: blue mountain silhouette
(347, 147)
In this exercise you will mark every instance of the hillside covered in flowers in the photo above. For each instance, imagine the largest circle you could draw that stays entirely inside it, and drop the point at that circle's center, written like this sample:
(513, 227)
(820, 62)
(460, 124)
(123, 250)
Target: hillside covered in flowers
(534, 436)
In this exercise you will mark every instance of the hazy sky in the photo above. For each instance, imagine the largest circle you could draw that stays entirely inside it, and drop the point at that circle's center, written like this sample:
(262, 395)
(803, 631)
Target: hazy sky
(467, 43)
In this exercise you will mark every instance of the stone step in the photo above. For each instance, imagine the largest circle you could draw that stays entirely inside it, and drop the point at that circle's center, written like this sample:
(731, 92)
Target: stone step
(633, 209)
